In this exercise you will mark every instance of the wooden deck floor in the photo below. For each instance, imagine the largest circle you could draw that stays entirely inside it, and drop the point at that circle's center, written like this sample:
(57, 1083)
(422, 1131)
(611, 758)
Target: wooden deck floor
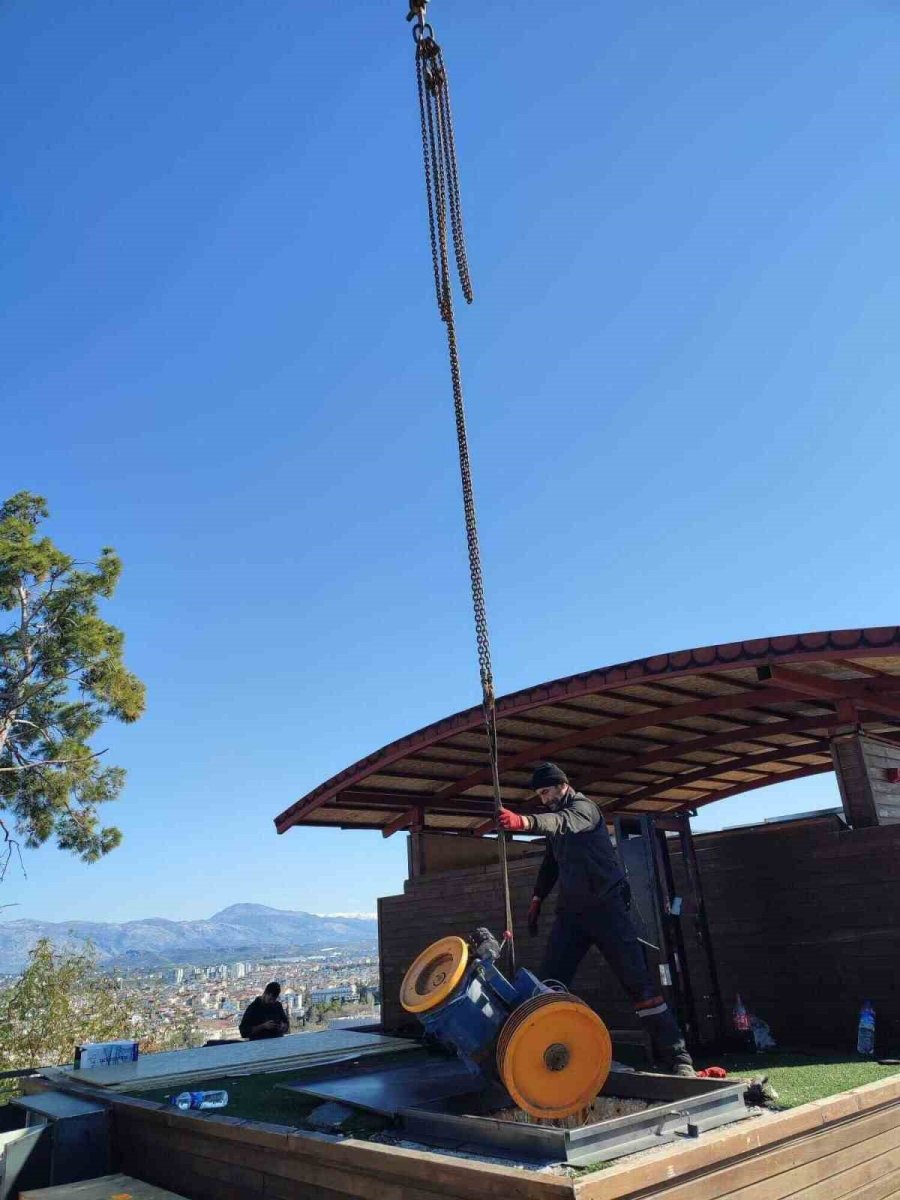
(843, 1148)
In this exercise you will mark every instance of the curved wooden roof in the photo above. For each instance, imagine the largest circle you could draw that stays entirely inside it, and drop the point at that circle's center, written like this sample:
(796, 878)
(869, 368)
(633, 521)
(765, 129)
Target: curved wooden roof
(667, 733)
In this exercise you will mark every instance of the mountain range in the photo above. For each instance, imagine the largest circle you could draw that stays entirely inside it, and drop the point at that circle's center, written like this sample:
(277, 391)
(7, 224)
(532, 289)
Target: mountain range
(250, 931)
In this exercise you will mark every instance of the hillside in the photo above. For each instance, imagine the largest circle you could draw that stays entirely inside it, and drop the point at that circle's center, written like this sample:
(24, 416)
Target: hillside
(250, 930)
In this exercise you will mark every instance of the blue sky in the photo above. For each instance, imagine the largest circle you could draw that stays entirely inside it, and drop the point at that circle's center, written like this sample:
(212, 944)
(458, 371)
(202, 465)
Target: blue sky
(220, 356)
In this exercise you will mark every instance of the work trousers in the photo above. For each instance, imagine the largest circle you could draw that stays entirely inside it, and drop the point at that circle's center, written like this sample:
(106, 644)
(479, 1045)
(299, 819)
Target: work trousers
(606, 924)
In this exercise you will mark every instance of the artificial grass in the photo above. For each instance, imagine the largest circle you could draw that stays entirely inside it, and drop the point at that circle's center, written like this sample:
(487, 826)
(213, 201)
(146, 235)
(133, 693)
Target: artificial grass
(797, 1078)
(800, 1078)
(257, 1098)
(253, 1097)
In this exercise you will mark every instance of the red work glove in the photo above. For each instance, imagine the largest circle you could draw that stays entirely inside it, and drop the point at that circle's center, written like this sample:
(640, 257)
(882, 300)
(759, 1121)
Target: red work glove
(512, 822)
(534, 911)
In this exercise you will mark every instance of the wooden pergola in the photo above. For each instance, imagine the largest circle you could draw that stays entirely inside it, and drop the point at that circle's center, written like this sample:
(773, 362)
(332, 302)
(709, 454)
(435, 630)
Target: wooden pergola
(665, 734)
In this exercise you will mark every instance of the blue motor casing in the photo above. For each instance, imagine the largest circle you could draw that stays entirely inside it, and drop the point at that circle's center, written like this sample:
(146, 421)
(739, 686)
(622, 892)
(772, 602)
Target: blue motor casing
(471, 1018)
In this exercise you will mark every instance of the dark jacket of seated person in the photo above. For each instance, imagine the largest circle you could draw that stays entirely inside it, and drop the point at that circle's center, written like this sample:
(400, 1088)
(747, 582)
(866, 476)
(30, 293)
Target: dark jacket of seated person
(265, 1016)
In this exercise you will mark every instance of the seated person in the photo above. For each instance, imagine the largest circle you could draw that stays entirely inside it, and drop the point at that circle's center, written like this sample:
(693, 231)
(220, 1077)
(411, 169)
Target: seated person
(265, 1017)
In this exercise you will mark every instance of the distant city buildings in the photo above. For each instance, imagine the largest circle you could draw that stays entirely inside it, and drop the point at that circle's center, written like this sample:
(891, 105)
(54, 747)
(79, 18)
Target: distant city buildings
(292, 1001)
(346, 993)
(176, 1006)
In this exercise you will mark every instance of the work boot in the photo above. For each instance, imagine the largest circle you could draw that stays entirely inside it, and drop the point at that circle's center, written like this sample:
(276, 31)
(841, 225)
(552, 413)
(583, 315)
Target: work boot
(668, 1044)
(679, 1062)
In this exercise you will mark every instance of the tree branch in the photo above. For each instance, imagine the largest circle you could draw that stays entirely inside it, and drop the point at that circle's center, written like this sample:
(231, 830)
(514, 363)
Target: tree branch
(11, 846)
(28, 764)
(34, 725)
(49, 762)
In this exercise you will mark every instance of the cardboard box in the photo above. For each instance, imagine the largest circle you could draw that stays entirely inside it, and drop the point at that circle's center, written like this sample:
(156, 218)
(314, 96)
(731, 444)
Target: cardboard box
(105, 1054)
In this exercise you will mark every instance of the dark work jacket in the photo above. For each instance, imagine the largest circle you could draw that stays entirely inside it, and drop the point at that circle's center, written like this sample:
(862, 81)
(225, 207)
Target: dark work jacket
(259, 1012)
(579, 853)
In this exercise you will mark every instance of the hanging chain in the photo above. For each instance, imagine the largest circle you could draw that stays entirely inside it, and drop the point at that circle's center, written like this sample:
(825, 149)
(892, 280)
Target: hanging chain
(445, 209)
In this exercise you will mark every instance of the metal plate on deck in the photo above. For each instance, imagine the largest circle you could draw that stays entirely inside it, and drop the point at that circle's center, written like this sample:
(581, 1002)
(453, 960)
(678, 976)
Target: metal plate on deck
(392, 1090)
(677, 1108)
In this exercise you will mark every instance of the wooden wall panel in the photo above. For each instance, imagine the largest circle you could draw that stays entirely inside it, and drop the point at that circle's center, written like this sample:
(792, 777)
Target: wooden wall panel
(448, 852)
(455, 903)
(805, 924)
(881, 756)
(861, 765)
(853, 781)
(217, 1158)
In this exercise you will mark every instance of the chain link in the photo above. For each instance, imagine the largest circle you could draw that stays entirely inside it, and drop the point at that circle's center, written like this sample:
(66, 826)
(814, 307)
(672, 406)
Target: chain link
(443, 200)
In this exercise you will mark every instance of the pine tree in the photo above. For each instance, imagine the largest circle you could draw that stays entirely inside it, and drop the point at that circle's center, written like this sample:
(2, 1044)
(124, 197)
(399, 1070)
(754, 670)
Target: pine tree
(61, 677)
(60, 1000)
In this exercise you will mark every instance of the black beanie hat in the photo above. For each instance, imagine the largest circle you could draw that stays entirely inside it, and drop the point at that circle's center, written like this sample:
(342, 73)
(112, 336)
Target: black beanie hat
(547, 774)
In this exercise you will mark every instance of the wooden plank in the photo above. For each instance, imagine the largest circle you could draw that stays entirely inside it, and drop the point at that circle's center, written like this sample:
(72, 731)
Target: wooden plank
(451, 1177)
(106, 1187)
(867, 1118)
(245, 1177)
(353, 1168)
(270, 1054)
(714, 1153)
(829, 1163)
(728, 1150)
(777, 1173)
(289, 1189)
(882, 1189)
(844, 1182)
(208, 1169)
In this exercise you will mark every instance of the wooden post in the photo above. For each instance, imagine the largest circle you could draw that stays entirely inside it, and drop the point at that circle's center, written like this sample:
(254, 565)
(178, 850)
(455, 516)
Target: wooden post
(868, 773)
(701, 924)
(416, 845)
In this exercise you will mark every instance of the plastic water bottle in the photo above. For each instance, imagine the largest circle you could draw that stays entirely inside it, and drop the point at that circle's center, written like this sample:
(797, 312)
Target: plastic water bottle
(188, 1100)
(740, 1016)
(865, 1033)
(743, 1032)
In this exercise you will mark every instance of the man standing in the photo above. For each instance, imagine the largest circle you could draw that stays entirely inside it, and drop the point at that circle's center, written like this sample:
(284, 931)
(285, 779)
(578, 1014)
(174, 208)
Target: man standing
(594, 899)
(265, 1016)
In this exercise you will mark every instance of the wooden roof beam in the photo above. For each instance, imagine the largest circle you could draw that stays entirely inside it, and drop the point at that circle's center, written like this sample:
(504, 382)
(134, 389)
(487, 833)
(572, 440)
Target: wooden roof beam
(864, 669)
(392, 802)
(404, 821)
(748, 762)
(766, 781)
(676, 750)
(848, 645)
(804, 683)
(652, 717)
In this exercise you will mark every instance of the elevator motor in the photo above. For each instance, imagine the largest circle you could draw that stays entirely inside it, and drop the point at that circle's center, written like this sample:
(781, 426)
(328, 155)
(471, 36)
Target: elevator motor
(549, 1049)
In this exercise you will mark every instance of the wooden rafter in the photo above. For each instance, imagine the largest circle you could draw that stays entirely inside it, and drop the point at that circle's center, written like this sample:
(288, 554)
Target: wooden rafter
(751, 785)
(805, 683)
(684, 780)
(648, 717)
(675, 752)
(654, 717)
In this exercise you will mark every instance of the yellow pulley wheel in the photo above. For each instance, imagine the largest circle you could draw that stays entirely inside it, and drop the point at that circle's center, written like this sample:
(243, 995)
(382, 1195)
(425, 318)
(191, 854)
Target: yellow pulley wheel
(554, 1054)
(434, 975)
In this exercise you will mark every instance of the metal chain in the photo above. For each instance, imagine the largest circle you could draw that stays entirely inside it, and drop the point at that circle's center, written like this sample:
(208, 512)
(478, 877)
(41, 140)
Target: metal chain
(443, 199)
